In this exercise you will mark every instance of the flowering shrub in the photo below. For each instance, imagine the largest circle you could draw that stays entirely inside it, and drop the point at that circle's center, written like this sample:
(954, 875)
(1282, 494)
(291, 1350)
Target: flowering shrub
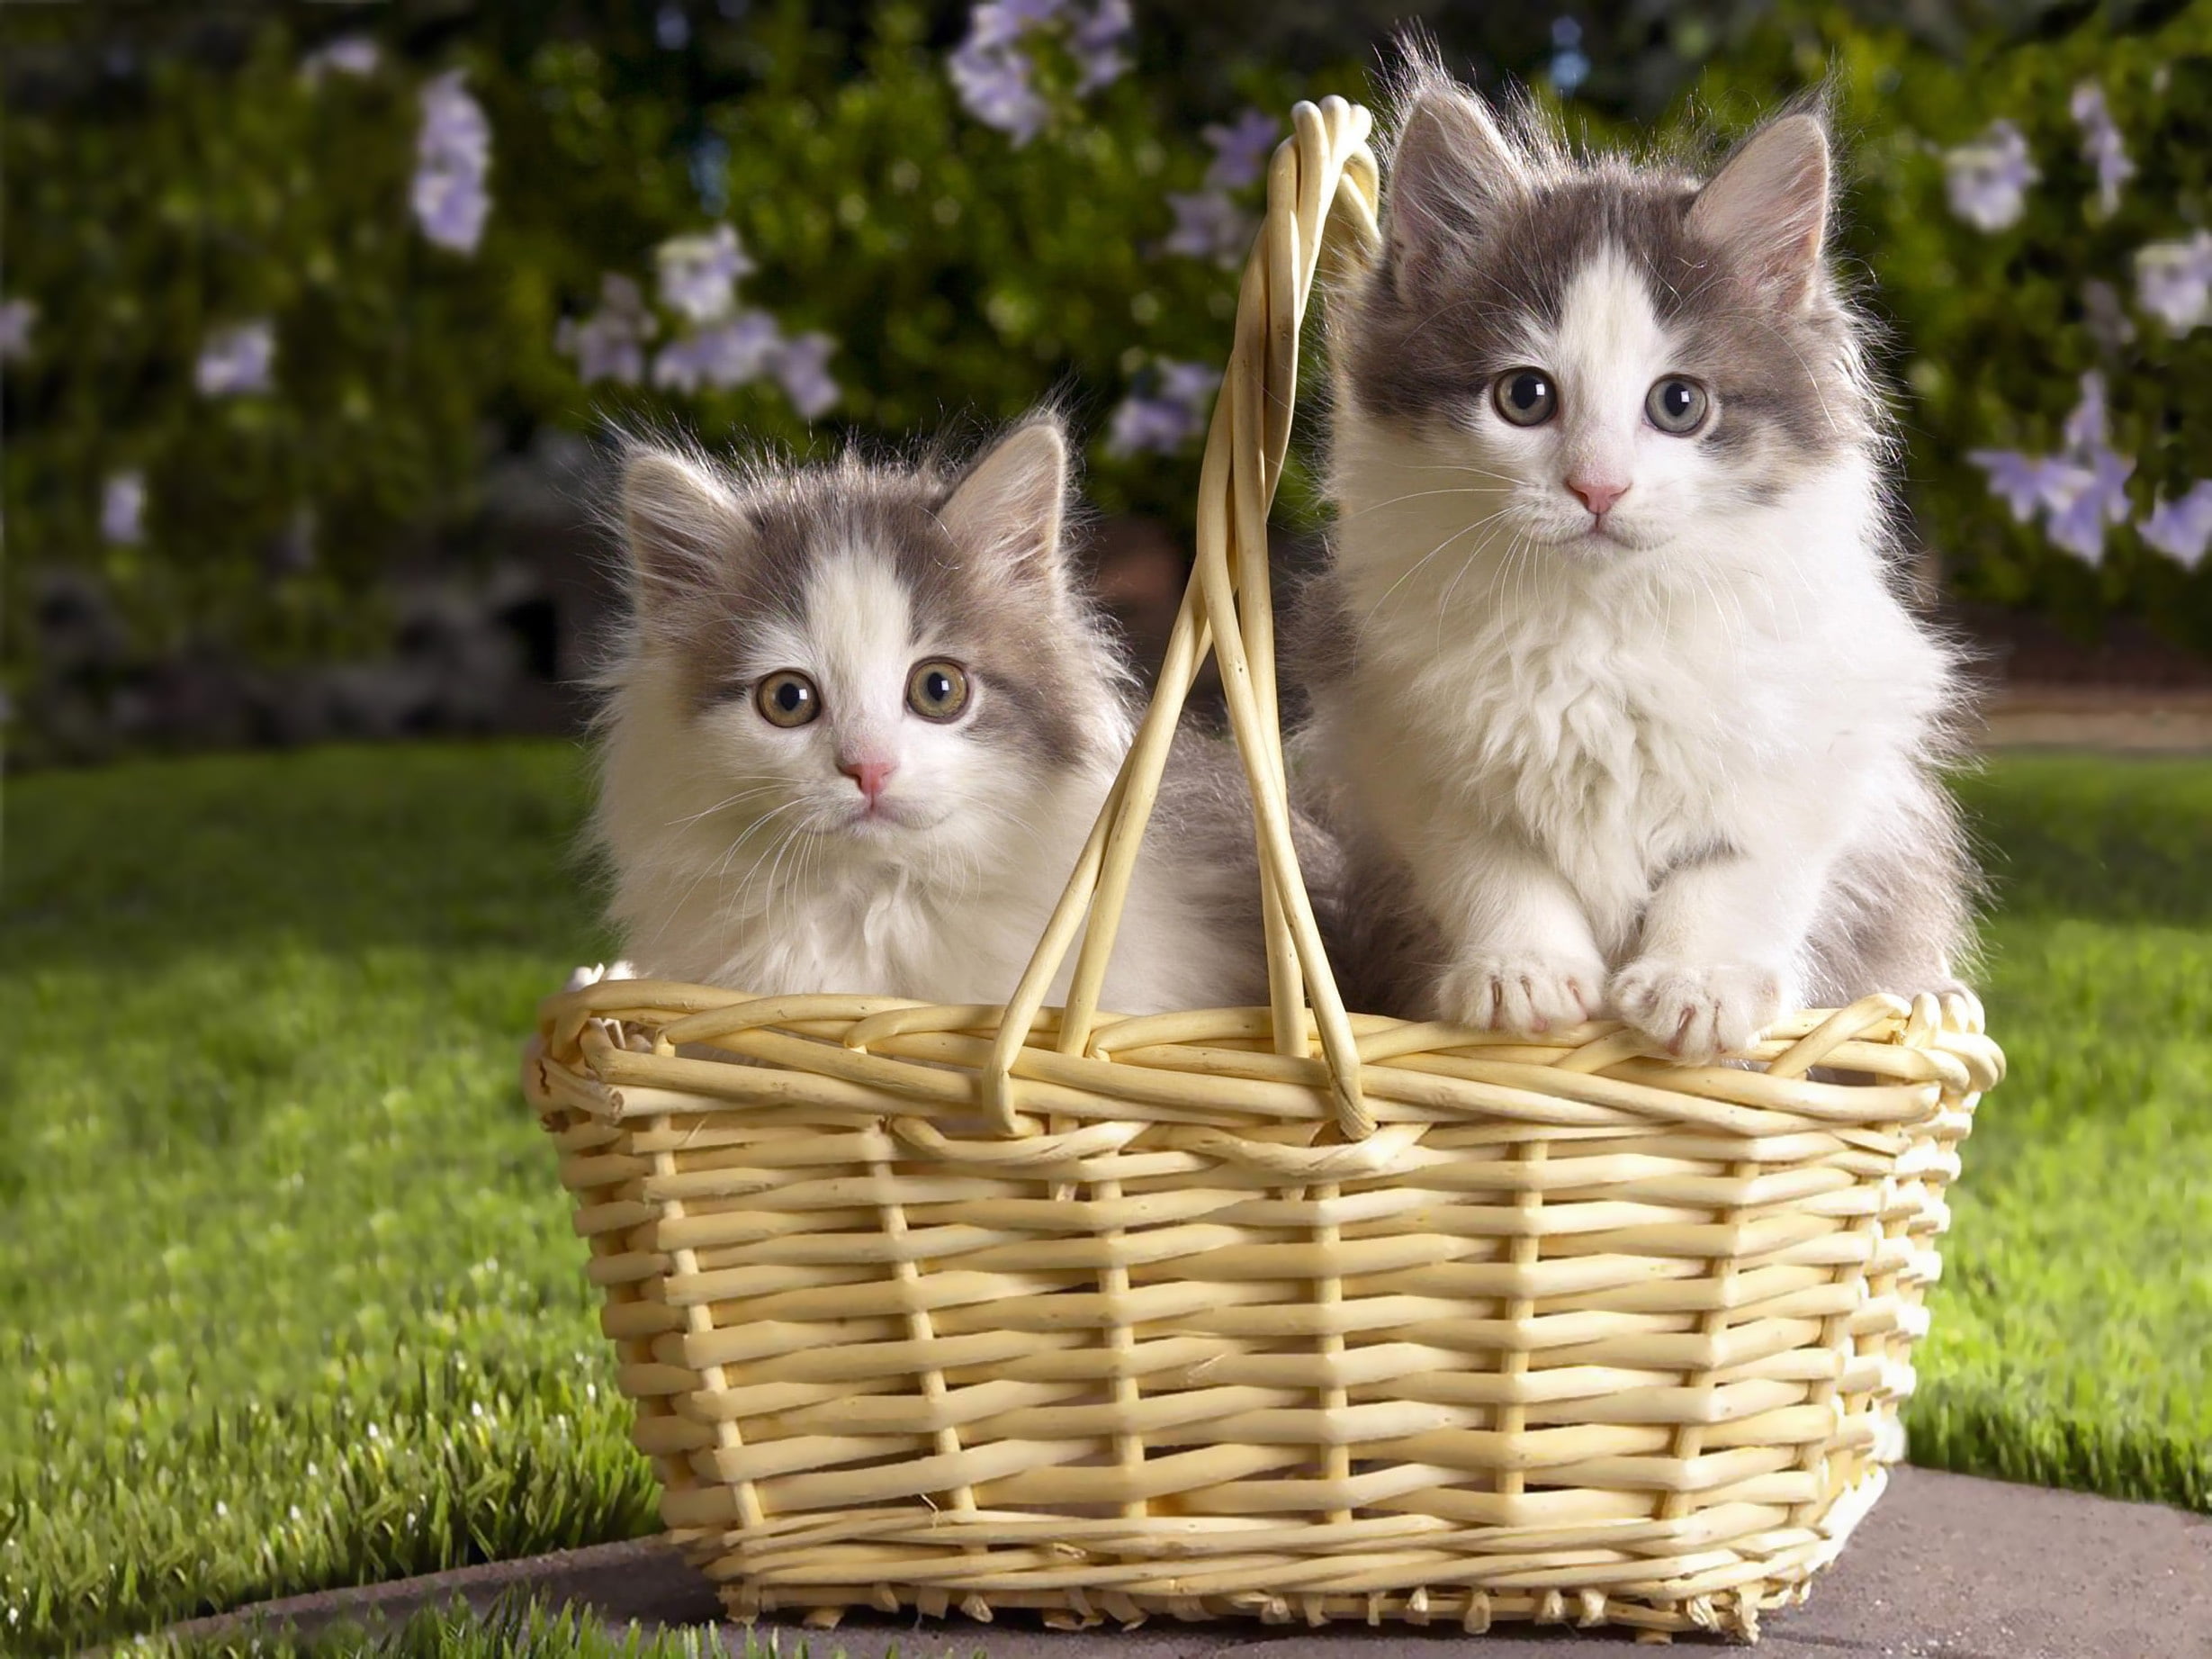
(2076, 493)
(283, 305)
(1025, 62)
(2062, 352)
(715, 345)
(281, 312)
(2032, 216)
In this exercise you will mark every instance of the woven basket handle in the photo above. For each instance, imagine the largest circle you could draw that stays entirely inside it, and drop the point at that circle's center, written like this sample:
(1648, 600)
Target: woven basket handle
(1321, 190)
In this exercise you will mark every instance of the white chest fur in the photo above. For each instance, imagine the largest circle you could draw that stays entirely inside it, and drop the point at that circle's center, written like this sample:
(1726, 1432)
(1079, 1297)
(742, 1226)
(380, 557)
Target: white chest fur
(1619, 719)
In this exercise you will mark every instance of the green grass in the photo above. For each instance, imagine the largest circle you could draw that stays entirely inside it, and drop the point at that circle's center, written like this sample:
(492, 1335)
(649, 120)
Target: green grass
(515, 1630)
(288, 1296)
(2073, 1335)
(522, 1631)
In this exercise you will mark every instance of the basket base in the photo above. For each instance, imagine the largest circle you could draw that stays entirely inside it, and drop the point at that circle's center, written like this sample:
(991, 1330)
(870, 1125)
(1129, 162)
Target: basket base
(1078, 1589)
(1734, 1614)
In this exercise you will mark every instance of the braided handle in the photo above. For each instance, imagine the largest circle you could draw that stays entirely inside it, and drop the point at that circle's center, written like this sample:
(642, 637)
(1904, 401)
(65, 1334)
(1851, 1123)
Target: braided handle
(1322, 183)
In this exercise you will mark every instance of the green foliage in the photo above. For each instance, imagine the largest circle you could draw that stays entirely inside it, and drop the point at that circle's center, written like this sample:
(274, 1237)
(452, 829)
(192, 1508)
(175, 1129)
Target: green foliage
(961, 273)
(964, 276)
(1993, 331)
(291, 1296)
(197, 200)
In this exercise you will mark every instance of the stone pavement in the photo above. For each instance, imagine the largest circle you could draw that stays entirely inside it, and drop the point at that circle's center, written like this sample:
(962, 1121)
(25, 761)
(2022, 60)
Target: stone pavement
(1947, 1567)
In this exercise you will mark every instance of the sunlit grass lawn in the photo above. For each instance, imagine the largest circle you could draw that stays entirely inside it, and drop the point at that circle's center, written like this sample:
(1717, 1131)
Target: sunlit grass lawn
(291, 1298)
(516, 1631)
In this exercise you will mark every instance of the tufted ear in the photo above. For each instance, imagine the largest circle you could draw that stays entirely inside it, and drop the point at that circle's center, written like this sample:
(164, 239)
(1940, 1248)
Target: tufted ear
(1451, 168)
(1768, 207)
(679, 521)
(1011, 506)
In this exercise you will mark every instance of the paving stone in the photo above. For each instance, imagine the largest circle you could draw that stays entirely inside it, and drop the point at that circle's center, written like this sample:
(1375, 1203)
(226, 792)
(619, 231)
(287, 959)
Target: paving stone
(1947, 1567)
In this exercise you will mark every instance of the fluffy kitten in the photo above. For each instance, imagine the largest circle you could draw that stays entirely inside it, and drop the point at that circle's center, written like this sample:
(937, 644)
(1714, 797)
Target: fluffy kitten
(861, 728)
(1626, 713)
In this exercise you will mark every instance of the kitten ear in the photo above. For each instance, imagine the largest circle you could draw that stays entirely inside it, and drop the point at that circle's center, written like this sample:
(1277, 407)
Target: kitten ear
(1768, 205)
(1010, 507)
(679, 520)
(1450, 169)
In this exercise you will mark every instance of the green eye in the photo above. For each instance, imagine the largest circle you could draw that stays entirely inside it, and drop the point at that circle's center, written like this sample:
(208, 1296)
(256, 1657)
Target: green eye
(1677, 404)
(787, 698)
(938, 689)
(1525, 396)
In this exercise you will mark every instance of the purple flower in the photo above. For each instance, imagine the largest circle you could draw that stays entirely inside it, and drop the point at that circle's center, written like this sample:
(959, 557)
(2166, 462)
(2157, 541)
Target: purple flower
(993, 82)
(671, 29)
(1095, 38)
(2101, 144)
(2078, 492)
(698, 274)
(1192, 384)
(237, 359)
(2086, 425)
(801, 367)
(1988, 179)
(2174, 280)
(450, 208)
(2017, 477)
(454, 129)
(1161, 419)
(453, 159)
(16, 320)
(729, 354)
(350, 54)
(1241, 150)
(1208, 226)
(2083, 499)
(1144, 425)
(122, 510)
(611, 343)
(1002, 22)
(2182, 529)
(992, 69)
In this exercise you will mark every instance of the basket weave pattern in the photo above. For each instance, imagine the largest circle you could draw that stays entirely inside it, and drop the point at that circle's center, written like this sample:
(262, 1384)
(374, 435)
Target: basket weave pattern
(1292, 1312)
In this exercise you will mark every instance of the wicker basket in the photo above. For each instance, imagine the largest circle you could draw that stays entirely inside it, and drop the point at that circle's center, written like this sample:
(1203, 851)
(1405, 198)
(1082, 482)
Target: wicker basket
(1287, 1312)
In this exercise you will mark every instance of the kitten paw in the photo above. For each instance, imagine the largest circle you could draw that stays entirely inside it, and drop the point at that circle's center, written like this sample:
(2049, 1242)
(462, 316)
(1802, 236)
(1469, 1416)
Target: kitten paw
(1698, 1013)
(1524, 994)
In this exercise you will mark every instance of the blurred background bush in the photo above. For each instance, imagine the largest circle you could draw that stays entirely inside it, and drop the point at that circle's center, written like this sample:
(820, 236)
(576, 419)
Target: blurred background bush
(310, 314)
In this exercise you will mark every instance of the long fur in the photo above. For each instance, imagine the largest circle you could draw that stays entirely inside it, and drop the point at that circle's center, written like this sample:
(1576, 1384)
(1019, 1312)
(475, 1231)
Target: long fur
(1684, 771)
(739, 852)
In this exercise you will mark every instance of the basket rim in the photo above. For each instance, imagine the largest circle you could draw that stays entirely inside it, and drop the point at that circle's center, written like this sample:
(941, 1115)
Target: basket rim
(617, 1042)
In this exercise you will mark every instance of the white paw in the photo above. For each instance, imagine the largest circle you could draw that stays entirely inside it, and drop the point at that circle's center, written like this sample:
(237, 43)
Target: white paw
(1698, 1013)
(1523, 993)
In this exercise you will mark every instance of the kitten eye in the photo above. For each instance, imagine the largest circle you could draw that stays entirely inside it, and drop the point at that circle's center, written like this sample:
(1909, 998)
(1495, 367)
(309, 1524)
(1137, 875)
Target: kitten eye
(1525, 396)
(937, 689)
(787, 698)
(1677, 405)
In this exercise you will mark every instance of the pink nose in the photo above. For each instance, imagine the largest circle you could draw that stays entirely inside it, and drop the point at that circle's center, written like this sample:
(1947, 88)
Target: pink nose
(871, 775)
(1597, 497)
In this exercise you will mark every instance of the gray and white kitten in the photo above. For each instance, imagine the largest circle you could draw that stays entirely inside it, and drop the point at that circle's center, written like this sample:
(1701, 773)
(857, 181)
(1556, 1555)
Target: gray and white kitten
(1626, 713)
(861, 724)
